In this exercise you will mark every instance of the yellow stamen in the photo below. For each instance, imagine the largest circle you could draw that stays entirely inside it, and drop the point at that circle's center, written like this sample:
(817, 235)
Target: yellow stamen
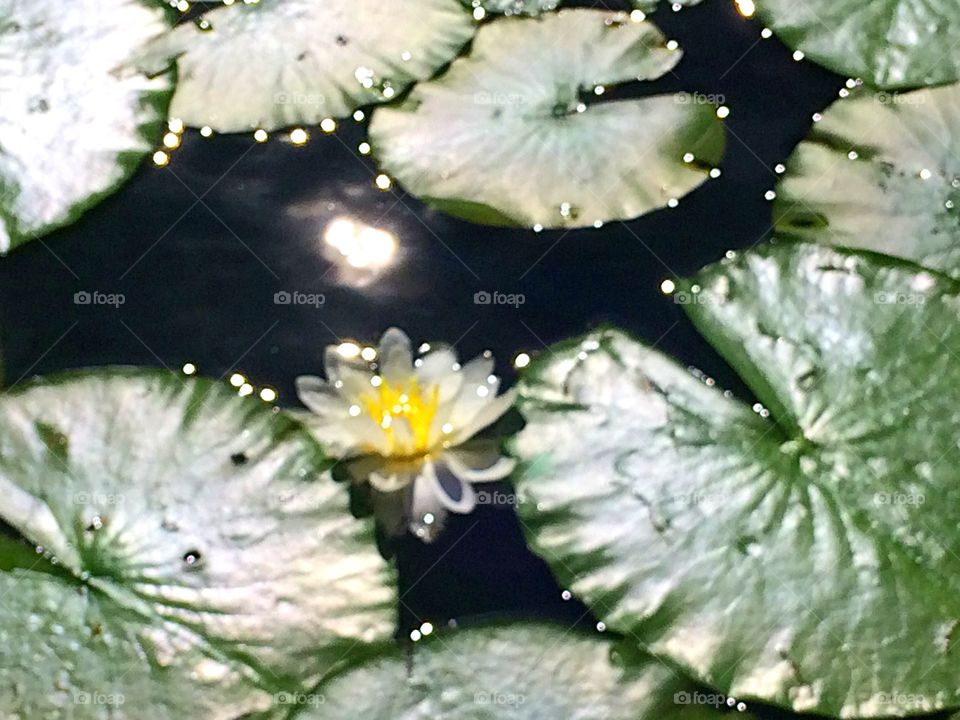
(386, 403)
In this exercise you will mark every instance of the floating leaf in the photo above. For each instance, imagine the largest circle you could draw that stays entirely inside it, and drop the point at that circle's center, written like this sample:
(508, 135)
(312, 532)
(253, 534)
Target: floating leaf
(536, 7)
(75, 120)
(514, 7)
(810, 558)
(890, 44)
(515, 672)
(514, 133)
(651, 5)
(285, 62)
(880, 171)
(193, 564)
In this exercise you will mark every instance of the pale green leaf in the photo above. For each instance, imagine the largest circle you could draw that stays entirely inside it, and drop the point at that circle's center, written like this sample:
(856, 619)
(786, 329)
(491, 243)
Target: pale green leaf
(75, 118)
(808, 559)
(889, 43)
(191, 563)
(515, 672)
(880, 171)
(277, 63)
(515, 133)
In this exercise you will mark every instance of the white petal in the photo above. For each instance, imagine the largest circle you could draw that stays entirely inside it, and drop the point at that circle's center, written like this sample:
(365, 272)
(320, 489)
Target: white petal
(396, 356)
(318, 395)
(384, 476)
(424, 502)
(384, 481)
(479, 464)
(486, 415)
(468, 401)
(452, 492)
(437, 371)
(344, 436)
(353, 373)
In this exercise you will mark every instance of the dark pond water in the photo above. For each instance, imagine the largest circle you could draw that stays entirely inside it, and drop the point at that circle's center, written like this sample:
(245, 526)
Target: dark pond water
(199, 249)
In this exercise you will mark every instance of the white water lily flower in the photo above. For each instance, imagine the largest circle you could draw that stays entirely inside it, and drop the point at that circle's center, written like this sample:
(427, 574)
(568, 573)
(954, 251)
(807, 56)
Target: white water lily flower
(409, 423)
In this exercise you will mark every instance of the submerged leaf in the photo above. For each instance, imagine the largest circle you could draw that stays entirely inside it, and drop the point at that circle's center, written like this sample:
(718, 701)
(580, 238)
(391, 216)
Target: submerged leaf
(809, 558)
(191, 562)
(277, 63)
(880, 171)
(517, 132)
(75, 119)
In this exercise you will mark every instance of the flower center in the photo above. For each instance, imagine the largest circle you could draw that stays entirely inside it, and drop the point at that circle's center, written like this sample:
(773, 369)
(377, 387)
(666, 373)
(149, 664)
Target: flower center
(404, 401)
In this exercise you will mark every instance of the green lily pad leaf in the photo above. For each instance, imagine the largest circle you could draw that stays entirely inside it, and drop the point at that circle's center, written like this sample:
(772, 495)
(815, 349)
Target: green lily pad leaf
(519, 671)
(514, 7)
(890, 44)
(880, 171)
(536, 7)
(650, 6)
(808, 559)
(286, 62)
(192, 563)
(75, 120)
(490, 144)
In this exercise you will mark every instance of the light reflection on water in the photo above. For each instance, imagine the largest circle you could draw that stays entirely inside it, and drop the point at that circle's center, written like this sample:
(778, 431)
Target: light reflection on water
(362, 246)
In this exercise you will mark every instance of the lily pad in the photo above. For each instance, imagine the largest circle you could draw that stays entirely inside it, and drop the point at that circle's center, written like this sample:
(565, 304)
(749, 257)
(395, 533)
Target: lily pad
(286, 62)
(514, 7)
(519, 671)
(889, 43)
(651, 5)
(880, 171)
(515, 133)
(75, 120)
(803, 551)
(189, 562)
(536, 7)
